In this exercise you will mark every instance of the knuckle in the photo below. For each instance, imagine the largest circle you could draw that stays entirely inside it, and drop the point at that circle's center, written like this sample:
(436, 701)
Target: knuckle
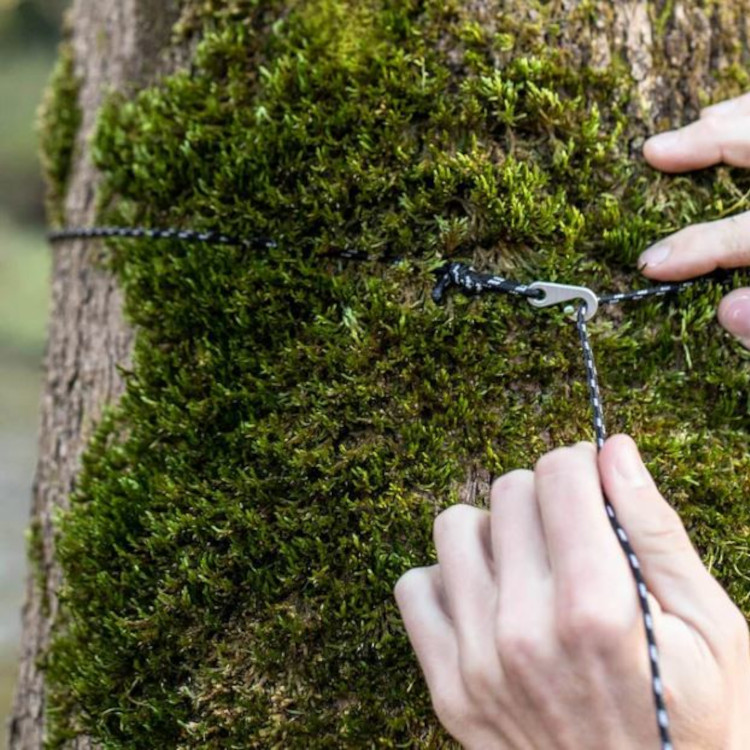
(408, 582)
(729, 631)
(509, 483)
(688, 236)
(587, 626)
(475, 672)
(520, 650)
(736, 244)
(715, 128)
(453, 517)
(552, 463)
(739, 629)
(667, 532)
(447, 705)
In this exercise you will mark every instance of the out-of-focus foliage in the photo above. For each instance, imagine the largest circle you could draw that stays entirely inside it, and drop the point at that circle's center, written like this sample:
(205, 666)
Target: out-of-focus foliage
(29, 32)
(22, 78)
(29, 21)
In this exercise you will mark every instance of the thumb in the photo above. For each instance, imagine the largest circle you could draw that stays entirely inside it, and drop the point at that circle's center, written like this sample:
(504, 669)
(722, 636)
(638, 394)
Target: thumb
(734, 315)
(671, 567)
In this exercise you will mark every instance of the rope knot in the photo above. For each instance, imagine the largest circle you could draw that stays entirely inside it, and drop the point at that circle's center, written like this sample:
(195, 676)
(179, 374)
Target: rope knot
(454, 273)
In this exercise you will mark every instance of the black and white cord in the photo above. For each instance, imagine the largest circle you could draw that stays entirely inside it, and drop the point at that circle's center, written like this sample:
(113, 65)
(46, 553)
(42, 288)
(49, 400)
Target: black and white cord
(600, 430)
(169, 233)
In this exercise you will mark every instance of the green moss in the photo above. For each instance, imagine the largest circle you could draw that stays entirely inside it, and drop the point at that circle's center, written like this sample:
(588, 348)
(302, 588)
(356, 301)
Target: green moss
(292, 424)
(59, 121)
(35, 551)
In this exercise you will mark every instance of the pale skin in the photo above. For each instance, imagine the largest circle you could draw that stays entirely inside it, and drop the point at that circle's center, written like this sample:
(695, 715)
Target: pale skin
(528, 630)
(721, 135)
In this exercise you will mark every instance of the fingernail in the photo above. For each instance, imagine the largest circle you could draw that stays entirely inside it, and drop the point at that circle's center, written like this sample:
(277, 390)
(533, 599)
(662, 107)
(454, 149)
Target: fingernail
(665, 142)
(737, 317)
(629, 466)
(655, 255)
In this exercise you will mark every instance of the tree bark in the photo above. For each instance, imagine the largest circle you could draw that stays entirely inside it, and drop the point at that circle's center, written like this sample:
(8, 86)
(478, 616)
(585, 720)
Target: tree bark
(118, 46)
(124, 44)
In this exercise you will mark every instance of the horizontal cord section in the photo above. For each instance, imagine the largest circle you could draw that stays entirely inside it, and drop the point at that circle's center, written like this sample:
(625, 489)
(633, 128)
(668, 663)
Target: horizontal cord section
(452, 274)
(468, 279)
(652, 291)
(185, 235)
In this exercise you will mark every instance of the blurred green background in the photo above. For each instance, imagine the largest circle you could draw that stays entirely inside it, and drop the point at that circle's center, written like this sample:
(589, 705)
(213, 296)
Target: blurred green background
(29, 33)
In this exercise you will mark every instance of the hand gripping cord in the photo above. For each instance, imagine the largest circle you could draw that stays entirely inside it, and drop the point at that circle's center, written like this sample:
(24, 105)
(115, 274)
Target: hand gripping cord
(467, 279)
(543, 294)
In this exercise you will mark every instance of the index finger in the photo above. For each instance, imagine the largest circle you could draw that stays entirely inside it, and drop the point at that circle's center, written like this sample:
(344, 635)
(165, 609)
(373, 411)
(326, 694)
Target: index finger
(739, 105)
(699, 249)
(585, 556)
(710, 140)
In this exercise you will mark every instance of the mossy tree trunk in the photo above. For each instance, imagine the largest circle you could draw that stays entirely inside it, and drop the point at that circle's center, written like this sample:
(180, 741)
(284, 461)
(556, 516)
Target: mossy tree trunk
(489, 112)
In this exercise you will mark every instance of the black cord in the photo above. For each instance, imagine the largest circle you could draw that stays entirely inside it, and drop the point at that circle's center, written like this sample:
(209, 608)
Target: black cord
(186, 235)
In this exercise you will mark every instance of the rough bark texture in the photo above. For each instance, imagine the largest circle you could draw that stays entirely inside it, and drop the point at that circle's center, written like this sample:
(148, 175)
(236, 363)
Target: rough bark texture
(120, 46)
(117, 46)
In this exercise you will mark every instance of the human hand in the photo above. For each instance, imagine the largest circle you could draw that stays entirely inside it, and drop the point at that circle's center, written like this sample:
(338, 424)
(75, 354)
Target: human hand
(529, 633)
(722, 134)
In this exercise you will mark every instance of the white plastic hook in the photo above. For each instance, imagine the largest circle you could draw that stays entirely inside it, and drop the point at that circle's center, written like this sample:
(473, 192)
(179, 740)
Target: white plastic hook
(555, 294)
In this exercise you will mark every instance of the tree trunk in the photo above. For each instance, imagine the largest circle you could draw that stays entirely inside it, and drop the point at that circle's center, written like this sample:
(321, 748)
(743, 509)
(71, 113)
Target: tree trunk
(677, 55)
(117, 46)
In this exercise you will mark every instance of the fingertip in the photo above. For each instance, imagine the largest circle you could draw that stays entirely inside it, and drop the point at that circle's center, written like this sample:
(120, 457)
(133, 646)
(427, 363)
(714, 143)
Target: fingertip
(651, 262)
(652, 151)
(615, 441)
(649, 272)
(665, 151)
(621, 463)
(695, 146)
(586, 446)
(698, 249)
(416, 583)
(734, 314)
(517, 480)
(403, 584)
(612, 446)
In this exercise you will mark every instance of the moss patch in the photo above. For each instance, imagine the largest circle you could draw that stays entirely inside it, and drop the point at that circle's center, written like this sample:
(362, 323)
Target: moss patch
(59, 121)
(292, 425)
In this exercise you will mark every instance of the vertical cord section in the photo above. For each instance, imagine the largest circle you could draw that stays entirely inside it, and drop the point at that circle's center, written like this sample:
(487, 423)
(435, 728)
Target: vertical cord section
(592, 381)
